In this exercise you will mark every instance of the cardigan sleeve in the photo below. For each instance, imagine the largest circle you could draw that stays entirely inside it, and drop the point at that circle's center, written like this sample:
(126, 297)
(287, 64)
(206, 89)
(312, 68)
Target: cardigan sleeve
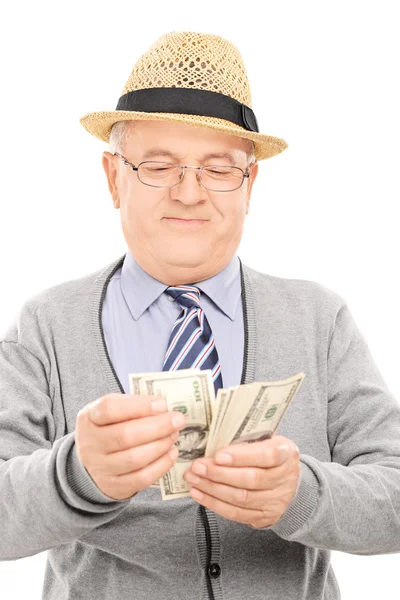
(351, 504)
(47, 497)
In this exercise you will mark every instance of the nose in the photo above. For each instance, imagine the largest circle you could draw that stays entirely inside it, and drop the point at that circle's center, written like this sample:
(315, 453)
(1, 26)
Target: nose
(187, 187)
(196, 173)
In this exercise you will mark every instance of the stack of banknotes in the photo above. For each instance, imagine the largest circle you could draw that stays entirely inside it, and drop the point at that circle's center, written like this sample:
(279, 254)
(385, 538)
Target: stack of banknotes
(239, 414)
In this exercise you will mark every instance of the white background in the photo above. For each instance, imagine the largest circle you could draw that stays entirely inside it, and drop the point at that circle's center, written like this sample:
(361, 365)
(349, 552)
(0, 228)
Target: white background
(324, 77)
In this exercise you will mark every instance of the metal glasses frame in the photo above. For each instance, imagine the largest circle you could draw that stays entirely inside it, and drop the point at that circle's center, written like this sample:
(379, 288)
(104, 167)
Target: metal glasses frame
(126, 162)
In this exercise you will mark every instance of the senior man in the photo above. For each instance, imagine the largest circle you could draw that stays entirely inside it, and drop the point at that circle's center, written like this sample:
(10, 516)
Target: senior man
(78, 477)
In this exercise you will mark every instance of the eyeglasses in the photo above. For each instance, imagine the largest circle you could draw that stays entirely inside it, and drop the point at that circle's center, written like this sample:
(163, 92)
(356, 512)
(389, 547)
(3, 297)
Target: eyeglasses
(214, 178)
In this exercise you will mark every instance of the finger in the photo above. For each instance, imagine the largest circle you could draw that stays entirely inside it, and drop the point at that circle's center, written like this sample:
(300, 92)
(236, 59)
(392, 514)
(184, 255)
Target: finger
(250, 478)
(151, 473)
(267, 453)
(115, 408)
(243, 497)
(226, 510)
(138, 432)
(133, 459)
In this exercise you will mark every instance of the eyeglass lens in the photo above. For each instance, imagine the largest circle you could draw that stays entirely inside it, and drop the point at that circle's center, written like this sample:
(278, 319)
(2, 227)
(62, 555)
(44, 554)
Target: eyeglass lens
(216, 178)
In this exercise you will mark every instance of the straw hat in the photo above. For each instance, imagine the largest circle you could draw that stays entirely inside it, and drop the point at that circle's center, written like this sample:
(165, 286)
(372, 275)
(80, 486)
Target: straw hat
(189, 77)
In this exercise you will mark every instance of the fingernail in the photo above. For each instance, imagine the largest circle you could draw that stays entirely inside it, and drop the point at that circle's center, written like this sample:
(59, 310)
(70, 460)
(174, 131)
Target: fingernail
(223, 459)
(95, 413)
(94, 409)
(199, 469)
(159, 406)
(174, 436)
(191, 478)
(179, 419)
(174, 453)
(195, 493)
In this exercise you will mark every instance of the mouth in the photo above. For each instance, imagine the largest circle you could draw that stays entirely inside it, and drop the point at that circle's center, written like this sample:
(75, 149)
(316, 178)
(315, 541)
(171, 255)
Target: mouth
(183, 219)
(185, 222)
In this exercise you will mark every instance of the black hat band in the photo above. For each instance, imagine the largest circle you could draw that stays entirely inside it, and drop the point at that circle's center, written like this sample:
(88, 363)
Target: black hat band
(190, 102)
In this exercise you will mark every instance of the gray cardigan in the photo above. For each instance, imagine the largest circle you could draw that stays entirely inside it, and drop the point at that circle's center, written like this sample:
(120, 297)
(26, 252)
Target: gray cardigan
(345, 421)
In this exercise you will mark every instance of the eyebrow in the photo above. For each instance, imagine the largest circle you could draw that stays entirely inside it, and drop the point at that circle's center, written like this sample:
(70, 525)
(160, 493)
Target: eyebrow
(164, 152)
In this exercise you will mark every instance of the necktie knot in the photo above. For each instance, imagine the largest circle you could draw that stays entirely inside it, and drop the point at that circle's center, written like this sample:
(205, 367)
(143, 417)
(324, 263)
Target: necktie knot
(191, 342)
(186, 295)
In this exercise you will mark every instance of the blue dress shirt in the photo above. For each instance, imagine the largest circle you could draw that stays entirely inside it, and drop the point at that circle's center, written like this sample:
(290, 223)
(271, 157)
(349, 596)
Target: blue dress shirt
(138, 317)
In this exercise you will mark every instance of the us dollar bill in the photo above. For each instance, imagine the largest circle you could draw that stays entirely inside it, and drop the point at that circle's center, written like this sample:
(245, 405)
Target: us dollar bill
(224, 397)
(240, 414)
(134, 387)
(256, 412)
(190, 391)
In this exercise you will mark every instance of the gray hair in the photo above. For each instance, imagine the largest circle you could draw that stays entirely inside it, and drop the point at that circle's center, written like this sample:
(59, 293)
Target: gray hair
(120, 131)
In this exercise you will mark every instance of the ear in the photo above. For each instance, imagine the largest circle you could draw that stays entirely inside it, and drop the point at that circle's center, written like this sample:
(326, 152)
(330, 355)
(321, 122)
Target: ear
(253, 170)
(109, 162)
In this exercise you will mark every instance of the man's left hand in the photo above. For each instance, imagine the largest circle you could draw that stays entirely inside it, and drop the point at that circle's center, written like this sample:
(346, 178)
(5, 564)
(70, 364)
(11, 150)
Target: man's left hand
(255, 488)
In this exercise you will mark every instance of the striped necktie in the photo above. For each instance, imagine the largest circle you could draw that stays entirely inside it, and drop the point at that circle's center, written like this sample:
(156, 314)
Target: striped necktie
(191, 343)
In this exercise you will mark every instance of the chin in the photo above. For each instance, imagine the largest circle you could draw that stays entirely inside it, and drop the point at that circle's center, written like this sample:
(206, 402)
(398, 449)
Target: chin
(182, 254)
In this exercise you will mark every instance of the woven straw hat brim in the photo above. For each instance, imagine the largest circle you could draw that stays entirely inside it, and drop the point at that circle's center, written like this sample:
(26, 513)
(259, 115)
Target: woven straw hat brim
(99, 124)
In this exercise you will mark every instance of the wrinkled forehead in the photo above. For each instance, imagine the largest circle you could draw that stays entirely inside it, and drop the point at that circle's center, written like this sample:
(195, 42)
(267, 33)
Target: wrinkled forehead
(174, 140)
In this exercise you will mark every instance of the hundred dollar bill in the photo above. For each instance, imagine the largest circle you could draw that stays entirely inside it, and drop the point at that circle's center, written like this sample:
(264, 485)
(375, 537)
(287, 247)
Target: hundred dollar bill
(240, 414)
(256, 411)
(219, 401)
(190, 391)
(134, 387)
(224, 397)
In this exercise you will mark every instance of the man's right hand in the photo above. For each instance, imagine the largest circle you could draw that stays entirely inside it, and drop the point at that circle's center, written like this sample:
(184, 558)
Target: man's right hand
(127, 445)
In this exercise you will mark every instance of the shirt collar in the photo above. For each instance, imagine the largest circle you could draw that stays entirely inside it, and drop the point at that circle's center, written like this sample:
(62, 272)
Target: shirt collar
(140, 289)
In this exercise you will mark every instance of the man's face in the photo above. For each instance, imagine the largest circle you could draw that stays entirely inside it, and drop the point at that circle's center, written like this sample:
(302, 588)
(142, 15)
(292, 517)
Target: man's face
(176, 252)
(190, 440)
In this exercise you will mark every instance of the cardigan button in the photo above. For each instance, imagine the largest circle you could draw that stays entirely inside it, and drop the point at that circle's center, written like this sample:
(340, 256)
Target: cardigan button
(214, 570)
